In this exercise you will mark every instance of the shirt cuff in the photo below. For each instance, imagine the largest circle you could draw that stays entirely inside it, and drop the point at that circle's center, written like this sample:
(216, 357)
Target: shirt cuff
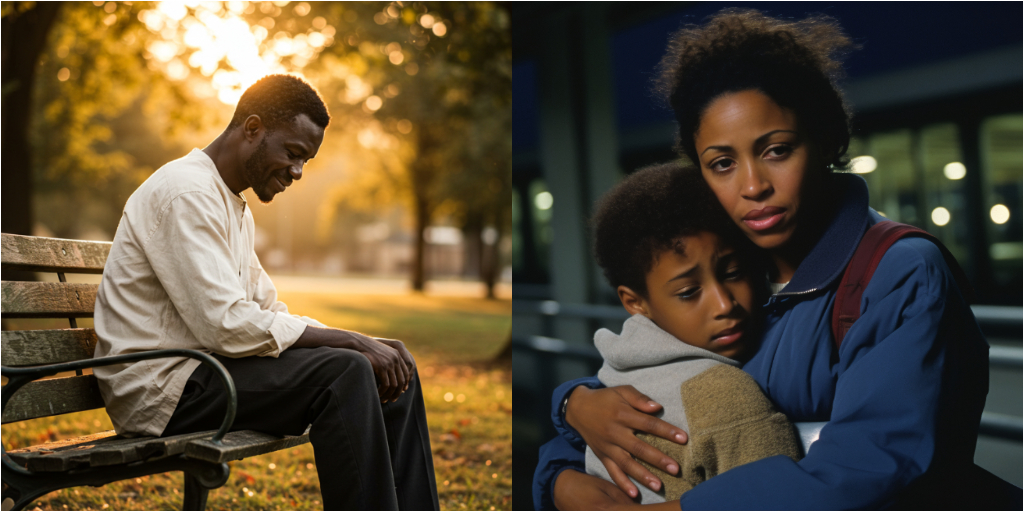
(286, 330)
(310, 321)
(559, 396)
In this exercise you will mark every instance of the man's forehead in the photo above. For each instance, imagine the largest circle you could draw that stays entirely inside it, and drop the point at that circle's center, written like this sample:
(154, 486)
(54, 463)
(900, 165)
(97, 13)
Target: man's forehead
(303, 131)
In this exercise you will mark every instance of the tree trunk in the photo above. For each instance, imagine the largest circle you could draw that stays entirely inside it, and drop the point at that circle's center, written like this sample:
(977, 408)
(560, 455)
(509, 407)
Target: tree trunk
(419, 255)
(24, 38)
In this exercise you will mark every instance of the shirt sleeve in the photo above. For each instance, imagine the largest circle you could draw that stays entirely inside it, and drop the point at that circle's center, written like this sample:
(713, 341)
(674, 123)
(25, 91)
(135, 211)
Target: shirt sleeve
(266, 294)
(190, 255)
(556, 455)
(911, 384)
(558, 415)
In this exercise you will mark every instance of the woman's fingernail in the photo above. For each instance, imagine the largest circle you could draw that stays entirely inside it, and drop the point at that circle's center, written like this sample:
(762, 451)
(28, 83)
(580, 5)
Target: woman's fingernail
(672, 469)
(652, 403)
(681, 438)
(653, 484)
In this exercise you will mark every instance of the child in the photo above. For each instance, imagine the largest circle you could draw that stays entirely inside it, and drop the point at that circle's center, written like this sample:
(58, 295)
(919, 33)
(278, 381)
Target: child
(680, 267)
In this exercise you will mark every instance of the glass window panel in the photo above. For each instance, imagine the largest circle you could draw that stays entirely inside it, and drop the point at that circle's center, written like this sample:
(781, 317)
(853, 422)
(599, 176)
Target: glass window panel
(542, 203)
(1002, 156)
(943, 188)
(892, 185)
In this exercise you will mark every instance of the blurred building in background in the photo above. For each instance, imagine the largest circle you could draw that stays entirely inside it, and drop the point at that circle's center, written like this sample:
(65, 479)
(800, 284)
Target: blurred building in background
(936, 90)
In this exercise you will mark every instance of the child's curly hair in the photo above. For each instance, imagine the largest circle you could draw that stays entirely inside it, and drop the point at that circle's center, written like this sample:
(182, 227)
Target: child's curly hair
(647, 213)
(795, 63)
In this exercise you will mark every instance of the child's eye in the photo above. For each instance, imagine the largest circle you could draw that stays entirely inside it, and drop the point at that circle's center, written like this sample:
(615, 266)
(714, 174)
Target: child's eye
(734, 273)
(689, 293)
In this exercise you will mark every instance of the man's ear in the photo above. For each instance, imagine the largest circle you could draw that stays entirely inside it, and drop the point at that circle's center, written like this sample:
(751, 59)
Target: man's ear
(632, 301)
(252, 127)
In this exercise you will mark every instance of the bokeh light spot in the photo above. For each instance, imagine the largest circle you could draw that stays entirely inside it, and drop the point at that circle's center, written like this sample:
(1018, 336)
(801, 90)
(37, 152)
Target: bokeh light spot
(940, 216)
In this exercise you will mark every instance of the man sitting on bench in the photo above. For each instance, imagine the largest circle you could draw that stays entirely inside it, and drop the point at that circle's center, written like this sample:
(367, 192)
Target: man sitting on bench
(182, 273)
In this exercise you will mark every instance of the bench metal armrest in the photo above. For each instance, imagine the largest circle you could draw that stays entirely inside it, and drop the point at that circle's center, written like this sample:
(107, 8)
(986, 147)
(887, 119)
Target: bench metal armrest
(18, 377)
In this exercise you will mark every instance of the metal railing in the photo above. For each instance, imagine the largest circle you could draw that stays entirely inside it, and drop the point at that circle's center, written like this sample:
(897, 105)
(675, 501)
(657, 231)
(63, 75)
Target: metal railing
(992, 424)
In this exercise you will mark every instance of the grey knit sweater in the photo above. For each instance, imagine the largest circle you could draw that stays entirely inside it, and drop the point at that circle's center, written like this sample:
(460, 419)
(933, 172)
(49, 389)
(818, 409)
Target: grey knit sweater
(728, 418)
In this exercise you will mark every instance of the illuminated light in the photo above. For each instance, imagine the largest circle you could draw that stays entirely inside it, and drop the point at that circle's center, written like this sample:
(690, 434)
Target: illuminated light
(940, 216)
(439, 29)
(955, 170)
(461, 398)
(412, 68)
(319, 22)
(374, 103)
(543, 201)
(316, 39)
(448, 397)
(63, 74)
(863, 164)
(110, 7)
(152, 19)
(427, 21)
(405, 126)
(164, 51)
(176, 70)
(302, 9)
(110, 19)
(396, 58)
(63, 51)
(392, 11)
(329, 31)
(380, 18)
(173, 10)
(1000, 214)
(494, 475)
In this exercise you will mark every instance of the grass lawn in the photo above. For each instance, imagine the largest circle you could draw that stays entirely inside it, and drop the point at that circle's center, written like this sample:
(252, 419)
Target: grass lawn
(468, 400)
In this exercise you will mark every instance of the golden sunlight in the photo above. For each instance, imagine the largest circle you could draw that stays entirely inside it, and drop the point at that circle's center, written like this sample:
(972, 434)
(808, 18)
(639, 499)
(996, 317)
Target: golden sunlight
(214, 39)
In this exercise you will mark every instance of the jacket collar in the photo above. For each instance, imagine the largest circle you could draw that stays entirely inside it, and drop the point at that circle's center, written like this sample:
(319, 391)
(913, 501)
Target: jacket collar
(827, 260)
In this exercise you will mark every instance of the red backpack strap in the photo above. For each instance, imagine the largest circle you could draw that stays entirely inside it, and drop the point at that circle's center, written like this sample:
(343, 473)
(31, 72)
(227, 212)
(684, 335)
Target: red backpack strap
(869, 253)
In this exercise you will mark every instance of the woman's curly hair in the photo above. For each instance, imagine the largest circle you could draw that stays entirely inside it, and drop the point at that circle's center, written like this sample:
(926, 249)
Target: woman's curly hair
(647, 213)
(795, 63)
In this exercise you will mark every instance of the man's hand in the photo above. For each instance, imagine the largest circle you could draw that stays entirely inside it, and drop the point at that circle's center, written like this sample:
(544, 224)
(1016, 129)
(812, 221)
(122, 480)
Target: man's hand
(607, 420)
(389, 365)
(410, 363)
(392, 364)
(579, 491)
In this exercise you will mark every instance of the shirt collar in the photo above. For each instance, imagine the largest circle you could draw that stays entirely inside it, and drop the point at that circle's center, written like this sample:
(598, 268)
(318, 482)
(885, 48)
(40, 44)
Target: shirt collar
(827, 260)
(199, 154)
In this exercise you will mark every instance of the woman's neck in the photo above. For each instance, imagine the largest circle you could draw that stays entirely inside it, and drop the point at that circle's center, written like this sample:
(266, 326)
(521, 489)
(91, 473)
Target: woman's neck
(787, 257)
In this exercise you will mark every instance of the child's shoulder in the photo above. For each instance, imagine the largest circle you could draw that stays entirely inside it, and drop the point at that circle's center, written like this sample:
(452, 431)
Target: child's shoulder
(725, 393)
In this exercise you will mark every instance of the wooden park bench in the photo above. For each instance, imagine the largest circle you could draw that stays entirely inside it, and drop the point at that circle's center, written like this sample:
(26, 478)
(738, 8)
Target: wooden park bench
(103, 457)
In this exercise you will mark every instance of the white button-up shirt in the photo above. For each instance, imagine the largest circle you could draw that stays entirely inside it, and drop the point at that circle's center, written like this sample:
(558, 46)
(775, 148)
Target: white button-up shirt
(182, 273)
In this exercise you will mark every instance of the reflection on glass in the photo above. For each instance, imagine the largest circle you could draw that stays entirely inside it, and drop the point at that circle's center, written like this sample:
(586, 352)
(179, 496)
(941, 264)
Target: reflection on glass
(1002, 161)
(542, 230)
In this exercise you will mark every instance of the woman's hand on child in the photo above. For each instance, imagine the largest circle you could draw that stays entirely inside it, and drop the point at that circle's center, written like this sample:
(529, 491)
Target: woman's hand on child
(607, 419)
(579, 491)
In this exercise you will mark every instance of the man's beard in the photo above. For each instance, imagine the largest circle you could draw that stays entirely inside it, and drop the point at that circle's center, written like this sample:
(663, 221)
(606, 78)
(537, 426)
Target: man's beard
(254, 166)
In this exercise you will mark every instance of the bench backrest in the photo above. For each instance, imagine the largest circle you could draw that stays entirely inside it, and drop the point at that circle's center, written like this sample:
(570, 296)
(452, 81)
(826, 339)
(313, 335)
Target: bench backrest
(50, 300)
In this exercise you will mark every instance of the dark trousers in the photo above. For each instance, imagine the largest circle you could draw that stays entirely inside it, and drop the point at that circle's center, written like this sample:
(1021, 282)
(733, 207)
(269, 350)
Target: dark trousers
(369, 455)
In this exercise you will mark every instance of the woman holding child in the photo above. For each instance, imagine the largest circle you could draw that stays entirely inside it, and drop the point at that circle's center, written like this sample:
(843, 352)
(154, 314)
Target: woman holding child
(761, 117)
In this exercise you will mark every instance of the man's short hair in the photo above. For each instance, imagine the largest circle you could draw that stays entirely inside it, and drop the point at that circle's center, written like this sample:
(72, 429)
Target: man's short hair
(647, 213)
(277, 99)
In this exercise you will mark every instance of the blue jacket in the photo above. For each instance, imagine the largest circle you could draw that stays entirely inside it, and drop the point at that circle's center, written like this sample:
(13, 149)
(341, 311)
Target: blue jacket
(903, 401)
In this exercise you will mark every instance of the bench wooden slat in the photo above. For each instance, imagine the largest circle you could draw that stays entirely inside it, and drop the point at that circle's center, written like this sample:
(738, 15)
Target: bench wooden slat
(30, 348)
(47, 300)
(242, 444)
(106, 448)
(52, 397)
(53, 254)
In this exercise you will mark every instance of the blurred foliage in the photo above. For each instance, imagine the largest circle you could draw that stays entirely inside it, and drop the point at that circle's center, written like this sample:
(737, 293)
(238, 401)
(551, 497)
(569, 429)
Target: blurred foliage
(422, 91)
